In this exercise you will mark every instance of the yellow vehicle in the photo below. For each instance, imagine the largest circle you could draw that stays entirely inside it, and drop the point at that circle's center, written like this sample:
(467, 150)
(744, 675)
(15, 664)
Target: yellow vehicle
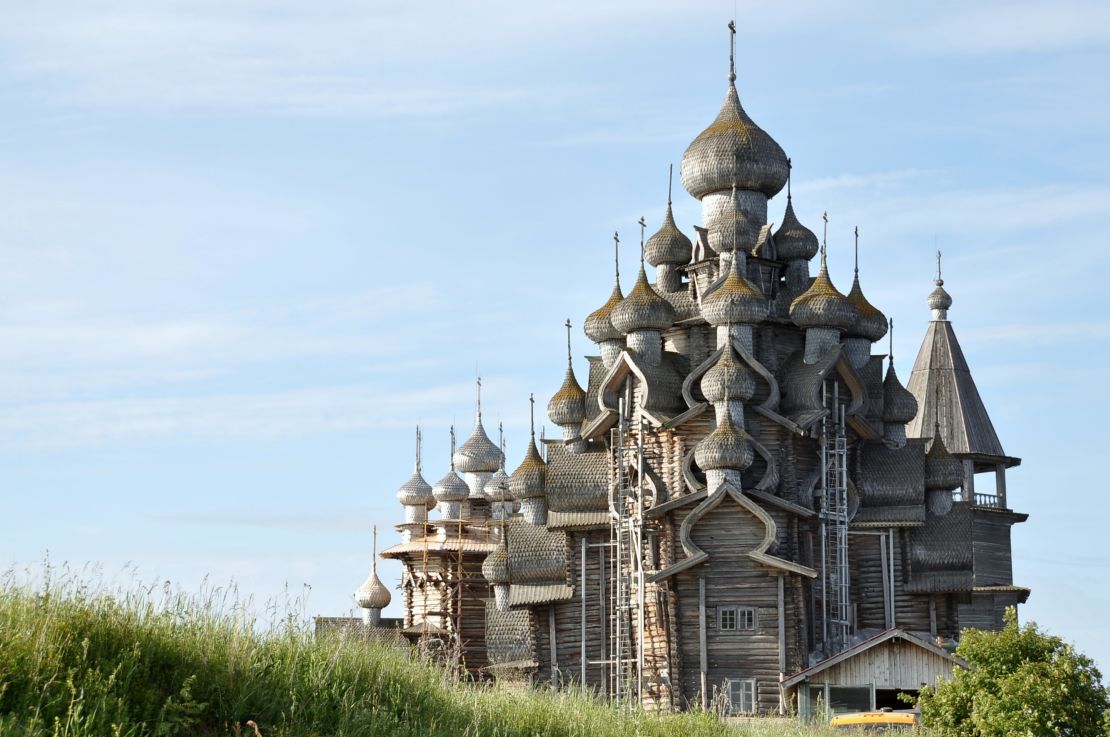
(875, 720)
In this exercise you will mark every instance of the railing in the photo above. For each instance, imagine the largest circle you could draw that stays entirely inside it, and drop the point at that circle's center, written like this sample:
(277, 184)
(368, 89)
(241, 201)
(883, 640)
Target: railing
(989, 500)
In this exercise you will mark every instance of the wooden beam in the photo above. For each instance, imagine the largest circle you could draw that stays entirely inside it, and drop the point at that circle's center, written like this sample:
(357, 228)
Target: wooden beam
(582, 624)
(782, 643)
(703, 654)
(554, 649)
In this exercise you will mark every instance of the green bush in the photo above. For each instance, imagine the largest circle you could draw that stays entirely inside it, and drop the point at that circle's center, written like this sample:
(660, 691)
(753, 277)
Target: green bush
(1022, 681)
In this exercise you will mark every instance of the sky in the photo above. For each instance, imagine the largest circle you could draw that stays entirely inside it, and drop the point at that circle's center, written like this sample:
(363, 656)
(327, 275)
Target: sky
(246, 245)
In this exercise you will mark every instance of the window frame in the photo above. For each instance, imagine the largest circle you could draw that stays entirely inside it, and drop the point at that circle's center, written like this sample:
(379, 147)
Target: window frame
(747, 687)
(739, 615)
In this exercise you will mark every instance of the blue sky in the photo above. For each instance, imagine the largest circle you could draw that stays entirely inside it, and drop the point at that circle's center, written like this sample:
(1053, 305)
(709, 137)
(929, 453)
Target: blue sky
(245, 246)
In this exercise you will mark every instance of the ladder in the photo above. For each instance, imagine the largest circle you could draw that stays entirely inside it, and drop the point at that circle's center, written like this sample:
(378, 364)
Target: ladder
(835, 576)
(626, 509)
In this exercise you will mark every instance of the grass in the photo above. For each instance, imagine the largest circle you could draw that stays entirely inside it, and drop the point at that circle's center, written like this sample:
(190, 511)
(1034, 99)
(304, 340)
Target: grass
(79, 661)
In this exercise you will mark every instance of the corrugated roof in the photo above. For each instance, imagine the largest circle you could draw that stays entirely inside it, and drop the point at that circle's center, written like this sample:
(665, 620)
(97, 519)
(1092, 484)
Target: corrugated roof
(941, 380)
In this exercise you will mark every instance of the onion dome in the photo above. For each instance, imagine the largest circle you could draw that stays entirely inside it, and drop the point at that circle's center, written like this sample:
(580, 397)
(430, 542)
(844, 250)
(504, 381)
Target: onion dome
(735, 301)
(669, 245)
(568, 406)
(373, 594)
(497, 488)
(416, 492)
(939, 299)
(528, 479)
(728, 380)
(451, 488)
(495, 568)
(733, 150)
(943, 471)
(598, 326)
(642, 309)
(478, 454)
(872, 323)
(794, 241)
(899, 405)
(724, 448)
(822, 305)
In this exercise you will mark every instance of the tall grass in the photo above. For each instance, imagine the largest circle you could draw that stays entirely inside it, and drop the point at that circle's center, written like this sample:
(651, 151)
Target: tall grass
(79, 660)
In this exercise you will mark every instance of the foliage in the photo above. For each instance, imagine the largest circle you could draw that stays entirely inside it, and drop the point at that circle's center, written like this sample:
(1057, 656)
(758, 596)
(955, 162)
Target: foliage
(154, 662)
(1022, 681)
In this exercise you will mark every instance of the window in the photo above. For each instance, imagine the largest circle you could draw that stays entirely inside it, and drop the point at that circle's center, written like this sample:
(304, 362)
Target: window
(741, 696)
(736, 618)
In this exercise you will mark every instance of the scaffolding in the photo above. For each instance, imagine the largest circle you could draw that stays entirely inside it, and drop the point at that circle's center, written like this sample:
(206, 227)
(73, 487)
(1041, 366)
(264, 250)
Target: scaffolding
(627, 564)
(835, 577)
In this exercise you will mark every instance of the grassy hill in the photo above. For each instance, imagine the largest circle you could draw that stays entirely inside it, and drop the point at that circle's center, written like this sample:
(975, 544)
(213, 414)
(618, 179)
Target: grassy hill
(79, 663)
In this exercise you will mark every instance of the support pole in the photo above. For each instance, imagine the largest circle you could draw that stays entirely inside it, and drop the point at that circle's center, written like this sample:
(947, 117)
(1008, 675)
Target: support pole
(554, 650)
(702, 649)
(582, 624)
(782, 643)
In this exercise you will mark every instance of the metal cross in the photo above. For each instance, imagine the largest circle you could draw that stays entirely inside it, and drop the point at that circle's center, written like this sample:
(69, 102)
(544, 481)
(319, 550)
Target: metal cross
(643, 227)
(617, 254)
(732, 51)
(568, 342)
(856, 231)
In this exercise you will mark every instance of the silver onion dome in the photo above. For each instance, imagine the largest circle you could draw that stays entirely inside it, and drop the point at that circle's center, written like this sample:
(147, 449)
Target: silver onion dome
(725, 448)
(872, 323)
(899, 405)
(668, 245)
(416, 492)
(643, 309)
(478, 454)
(495, 568)
(735, 301)
(822, 305)
(728, 380)
(451, 488)
(733, 150)
(372, 594)
(568, 405)
(497, 488)
(529, 479)
(943, 471)
(939, 299)
(598, 326)
(794, 241)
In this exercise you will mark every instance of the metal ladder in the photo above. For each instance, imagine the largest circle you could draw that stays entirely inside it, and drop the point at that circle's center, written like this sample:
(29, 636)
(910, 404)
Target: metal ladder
(626, 620)
(835, 574)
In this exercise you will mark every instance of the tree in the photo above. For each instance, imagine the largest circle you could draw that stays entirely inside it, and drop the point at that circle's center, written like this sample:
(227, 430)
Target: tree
(1021, 681)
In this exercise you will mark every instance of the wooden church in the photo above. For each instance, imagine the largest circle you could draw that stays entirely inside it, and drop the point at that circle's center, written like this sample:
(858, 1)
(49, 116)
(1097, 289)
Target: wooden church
(747, 509)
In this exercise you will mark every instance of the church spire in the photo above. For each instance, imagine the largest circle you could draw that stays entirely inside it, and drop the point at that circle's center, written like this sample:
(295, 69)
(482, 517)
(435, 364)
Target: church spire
(939, 299)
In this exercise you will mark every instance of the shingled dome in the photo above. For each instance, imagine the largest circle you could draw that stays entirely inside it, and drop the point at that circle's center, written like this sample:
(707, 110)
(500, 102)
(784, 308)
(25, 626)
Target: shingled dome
(598, 326)
(735, 302)
(451, 488)
(643, 309)
(478, 454)
(899, 405)
(794, 241)
(943, 471)
(872, 323)
(497, 488)
(416, 492)
(939, 299)
(568, 406)
(728, 380)
(733, 150)
(528, 479)
(822, 305)
(669, 245)
(725, 448)
(373, 594)
(495, 568)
